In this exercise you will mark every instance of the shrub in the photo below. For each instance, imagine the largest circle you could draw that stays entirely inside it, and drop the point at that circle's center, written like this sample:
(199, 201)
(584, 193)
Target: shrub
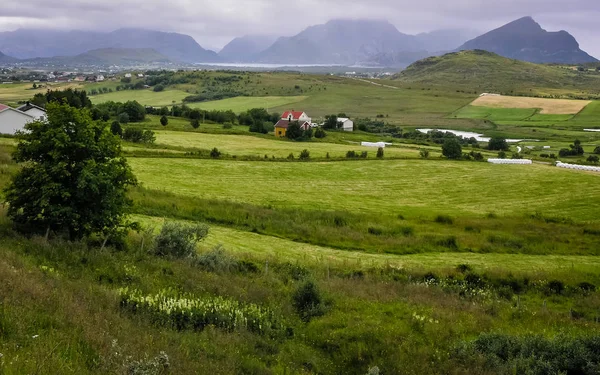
(498, 144)
(139, 136)
(227, 126)
(351, 155)
(464, 268)
(502, 155)
(424, 153)
(158, 88)
(215, 153)
(587, 287)
(555, 287)
(593, 159)
(364, 154)
(320, 133)
(177, 240)
(307, 301)
(290, 156)
(380, 153)
(123, 118)
(535, 355)
(216, 260)
(451, 149)
(164, 121)
(116, 129)
(444, 219)
(304, 155)
(195, 123)
(597, 150)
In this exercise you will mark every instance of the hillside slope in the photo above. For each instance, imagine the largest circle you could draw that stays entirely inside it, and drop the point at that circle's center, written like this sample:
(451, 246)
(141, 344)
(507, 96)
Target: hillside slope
(4, 59)
(246, 48)
(487, 72)
(524, 39)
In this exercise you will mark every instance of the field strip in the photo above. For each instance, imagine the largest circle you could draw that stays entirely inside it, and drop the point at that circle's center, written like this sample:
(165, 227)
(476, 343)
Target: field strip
(284, 250)
(547, 106)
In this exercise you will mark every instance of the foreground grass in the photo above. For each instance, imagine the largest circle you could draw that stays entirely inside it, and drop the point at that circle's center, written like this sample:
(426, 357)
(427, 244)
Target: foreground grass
(61, 312)
(416, 188)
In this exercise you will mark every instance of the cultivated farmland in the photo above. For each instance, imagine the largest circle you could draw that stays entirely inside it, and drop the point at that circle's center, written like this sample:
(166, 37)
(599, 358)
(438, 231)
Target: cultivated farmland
(546, 106)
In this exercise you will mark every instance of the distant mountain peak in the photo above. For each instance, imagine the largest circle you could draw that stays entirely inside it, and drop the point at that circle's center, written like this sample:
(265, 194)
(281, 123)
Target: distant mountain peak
(524, 39)
(523, 25)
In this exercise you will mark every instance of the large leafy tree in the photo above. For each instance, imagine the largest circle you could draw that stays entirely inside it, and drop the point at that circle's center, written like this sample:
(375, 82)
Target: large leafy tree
(452, 149)
(73, 180)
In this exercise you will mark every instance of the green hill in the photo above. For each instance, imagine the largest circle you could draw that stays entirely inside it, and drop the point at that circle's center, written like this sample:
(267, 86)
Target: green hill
(481, 71)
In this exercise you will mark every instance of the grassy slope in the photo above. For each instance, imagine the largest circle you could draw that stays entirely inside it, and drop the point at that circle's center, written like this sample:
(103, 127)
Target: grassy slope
(244, 103)
(487, 72)
(279, 250)
(416, 188)
(146, 97)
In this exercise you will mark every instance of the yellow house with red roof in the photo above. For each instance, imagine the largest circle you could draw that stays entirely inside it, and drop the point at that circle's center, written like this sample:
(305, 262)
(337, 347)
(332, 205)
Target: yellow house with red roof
(292, 116)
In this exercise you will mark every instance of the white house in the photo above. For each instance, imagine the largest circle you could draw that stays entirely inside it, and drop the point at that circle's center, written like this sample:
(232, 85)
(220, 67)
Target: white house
(347, 124)
(33, 110)
(127, 75)
(100, 78)
(12, 119)
(140, 75)
(301, 117)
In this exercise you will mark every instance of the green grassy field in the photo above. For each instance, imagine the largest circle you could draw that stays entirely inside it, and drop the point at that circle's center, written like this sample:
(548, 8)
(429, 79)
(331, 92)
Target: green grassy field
(244, 103)
(255, 146)
(280, 250)
(415, 188)
(145, 97)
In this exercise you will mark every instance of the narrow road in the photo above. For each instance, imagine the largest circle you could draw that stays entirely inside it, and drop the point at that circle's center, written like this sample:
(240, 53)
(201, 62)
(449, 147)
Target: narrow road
(376, 84)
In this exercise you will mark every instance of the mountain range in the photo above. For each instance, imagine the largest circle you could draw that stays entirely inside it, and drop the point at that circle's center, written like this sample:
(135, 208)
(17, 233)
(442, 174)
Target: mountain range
(340, 42)
(524, 39)
(27, 44)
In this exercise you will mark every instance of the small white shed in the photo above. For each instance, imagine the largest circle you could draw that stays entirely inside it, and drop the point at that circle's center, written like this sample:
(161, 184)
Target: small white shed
(347, 124)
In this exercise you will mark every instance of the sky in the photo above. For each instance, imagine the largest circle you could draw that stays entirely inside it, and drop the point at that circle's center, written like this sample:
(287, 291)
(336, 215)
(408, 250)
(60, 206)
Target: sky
(214, 23)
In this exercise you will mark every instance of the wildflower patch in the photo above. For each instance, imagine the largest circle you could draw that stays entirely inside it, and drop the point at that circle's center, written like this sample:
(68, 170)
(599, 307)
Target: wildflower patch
(188, 312)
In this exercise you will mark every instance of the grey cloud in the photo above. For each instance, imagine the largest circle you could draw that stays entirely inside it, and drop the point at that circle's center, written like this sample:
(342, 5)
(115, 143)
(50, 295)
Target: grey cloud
(215, 22)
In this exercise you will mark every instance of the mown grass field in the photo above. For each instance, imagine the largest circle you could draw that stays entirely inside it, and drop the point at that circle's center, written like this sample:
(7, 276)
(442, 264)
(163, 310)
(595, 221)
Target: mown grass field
(241, 145)
(244, 103)
(415, 188)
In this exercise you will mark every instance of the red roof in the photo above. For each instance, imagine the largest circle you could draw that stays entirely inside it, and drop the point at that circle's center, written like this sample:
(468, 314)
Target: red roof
(295, 115)
(3, 107)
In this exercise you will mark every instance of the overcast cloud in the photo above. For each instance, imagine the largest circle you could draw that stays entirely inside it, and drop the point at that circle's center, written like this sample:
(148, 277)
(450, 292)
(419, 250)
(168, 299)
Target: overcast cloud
(214, 23)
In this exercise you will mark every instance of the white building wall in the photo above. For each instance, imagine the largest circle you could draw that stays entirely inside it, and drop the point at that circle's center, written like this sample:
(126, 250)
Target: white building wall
(38, 114)
(13, 120)
(348, 125)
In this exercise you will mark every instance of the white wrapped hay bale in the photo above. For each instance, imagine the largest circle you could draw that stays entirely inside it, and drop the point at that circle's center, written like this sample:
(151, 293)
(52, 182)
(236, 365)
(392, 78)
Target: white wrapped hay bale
(510, 161)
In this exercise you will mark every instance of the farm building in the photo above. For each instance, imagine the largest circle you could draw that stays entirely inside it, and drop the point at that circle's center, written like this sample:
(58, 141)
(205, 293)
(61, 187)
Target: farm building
(289, 117)
(282, 126)
(33, 110)
(347, 124)
(301, 117)
(12, 120)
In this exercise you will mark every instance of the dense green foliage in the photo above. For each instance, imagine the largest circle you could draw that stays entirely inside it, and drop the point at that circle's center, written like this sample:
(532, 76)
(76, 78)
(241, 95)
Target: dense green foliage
(74, 179)
(452, 149)
(74, 98)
